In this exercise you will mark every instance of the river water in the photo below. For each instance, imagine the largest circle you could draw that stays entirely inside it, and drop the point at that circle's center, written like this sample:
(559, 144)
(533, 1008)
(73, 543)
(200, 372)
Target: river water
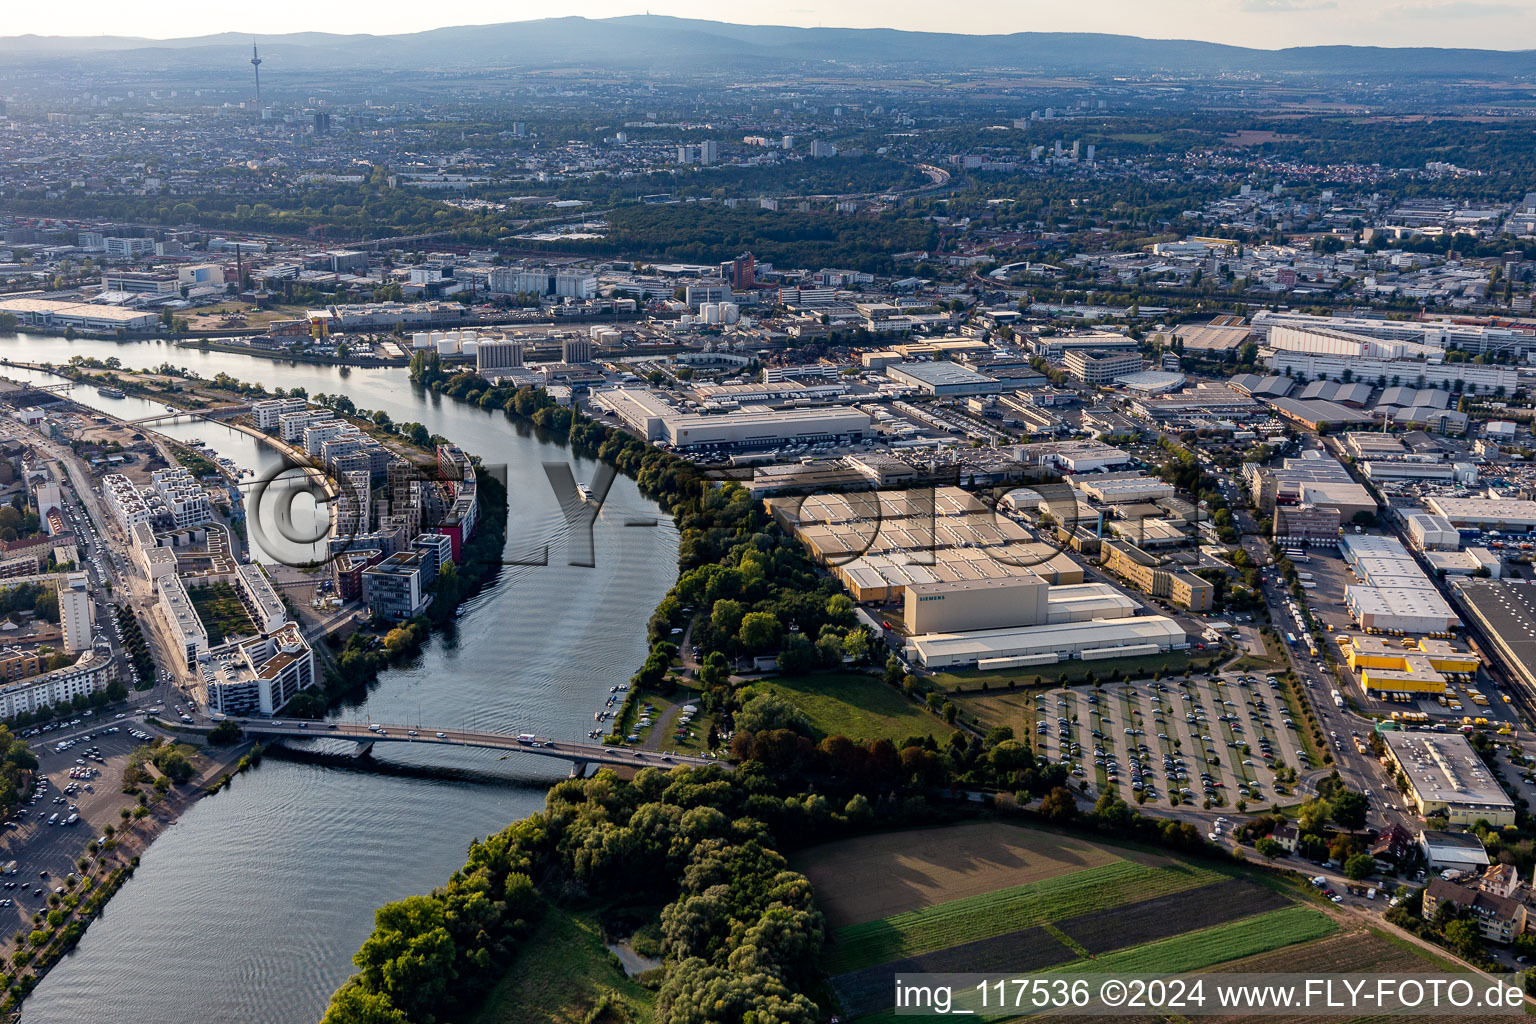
(249, 908)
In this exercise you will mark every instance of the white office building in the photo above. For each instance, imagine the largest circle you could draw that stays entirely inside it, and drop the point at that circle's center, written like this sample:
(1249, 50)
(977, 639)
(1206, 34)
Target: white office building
(75, 607)
(268, 413)
(258, 675)
(184, 496)
(182, 619)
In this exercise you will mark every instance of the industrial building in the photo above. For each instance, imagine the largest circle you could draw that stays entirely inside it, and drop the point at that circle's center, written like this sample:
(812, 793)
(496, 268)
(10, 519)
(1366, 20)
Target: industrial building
(493, 357)
(1504, 613)
(1447, 778)
(82, 316)
(1073, 456)
(1474, 561)
(1322, 352)
(1432, 532)
(875, 579)
(1508, 515)
(954, 606)
(1204, 401)
(1096, 639)
(1319, 415)
(1394, 595)
(752, 427)
(1152, 576)
(1314, 478)
(947, 379)
(1122, 488)
(877, 543)
(1393, 671)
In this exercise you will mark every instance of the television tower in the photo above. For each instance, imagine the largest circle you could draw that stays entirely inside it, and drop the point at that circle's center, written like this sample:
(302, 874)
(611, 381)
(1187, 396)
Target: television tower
(256, 66)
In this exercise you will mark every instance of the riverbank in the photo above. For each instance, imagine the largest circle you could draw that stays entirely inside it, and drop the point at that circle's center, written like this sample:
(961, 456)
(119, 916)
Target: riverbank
(107, 856)
(284, 356)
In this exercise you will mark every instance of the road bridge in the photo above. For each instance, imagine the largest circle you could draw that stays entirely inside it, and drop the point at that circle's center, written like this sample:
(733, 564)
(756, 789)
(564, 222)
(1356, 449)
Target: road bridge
(579, 754)
(218, 413)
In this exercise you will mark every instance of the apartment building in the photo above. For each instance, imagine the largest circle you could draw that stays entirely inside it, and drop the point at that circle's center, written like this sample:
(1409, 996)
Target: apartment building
(182, 619)
(93, 672)
(75, 607)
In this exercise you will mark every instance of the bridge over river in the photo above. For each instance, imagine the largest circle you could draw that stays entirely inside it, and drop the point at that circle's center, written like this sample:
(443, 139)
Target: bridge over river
(579, 754)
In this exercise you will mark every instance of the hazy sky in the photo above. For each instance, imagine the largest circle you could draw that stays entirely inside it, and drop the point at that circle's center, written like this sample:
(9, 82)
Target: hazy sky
(1265, 23)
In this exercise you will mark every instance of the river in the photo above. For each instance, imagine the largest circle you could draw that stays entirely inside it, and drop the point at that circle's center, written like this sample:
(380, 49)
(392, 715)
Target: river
(250, 906)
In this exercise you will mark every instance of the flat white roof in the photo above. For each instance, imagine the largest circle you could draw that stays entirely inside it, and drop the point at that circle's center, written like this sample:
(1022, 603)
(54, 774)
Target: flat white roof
(1444, 768)
(1091, 634)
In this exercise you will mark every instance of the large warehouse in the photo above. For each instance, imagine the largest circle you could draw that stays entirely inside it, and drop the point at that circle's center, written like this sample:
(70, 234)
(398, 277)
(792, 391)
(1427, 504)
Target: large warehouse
(1394, 595)
(1504, 611)
(1511, 515)
(1445, 776)
(1391, 670)
(751, 427)
(944, 378)
(84, 316)
(1095, 639)
(877, 543)
(947, 607)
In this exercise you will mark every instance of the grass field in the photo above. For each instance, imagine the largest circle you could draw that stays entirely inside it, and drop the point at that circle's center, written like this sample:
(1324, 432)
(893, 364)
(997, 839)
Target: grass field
(1005, 910)
(221, 611)
(858, 706)
(876, 876)
(561, 977)
(1015, 709)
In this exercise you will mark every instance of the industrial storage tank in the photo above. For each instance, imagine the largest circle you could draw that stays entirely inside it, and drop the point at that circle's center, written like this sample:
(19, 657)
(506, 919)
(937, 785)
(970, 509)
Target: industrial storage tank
(421, 339)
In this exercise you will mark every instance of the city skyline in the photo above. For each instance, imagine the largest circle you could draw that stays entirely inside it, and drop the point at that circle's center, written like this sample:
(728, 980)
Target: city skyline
(1268, 24)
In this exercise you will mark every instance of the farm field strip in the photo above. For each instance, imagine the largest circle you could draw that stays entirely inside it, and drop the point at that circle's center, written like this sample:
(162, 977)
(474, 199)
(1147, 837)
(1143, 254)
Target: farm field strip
(1006, 910)
(876, 876)
(868, 989)
(1192, 951)
(1172, 914)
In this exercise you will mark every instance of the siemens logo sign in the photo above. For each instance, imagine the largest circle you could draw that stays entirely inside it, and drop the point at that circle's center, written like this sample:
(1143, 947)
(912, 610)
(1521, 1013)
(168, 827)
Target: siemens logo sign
(931, 597)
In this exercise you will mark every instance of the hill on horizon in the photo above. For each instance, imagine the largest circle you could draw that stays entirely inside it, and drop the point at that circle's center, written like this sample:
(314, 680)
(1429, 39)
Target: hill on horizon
(640, 41)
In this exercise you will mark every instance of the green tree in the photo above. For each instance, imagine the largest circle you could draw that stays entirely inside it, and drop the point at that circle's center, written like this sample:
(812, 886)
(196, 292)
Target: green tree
(1359, 866)
(797, 656)
(1464, 937)
(759, 632)
(726, 616)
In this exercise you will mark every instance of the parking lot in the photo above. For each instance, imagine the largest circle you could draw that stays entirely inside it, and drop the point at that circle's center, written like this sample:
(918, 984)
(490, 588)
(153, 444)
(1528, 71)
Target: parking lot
(1175, 741)
(97, 797)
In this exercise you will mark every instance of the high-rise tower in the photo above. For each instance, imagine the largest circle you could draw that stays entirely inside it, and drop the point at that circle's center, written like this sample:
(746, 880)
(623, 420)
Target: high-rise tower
(256, 66)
